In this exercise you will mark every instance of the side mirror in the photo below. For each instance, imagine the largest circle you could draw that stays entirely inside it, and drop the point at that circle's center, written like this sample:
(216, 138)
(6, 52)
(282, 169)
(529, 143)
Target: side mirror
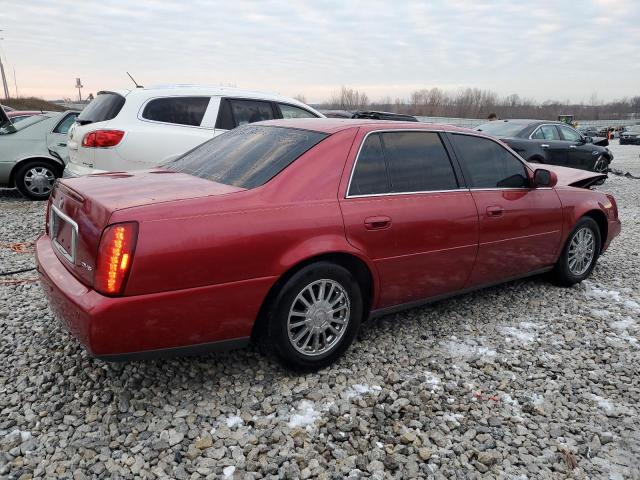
(544, 178)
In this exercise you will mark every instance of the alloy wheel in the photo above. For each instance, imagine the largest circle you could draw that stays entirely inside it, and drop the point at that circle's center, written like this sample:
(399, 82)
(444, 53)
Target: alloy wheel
(39, 180)
(581, 251)
(318, 317)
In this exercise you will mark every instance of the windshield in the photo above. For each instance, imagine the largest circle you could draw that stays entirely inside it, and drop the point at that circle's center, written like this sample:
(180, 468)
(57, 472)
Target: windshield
(7, 128)
(102, 108)
(634, 129)
(247, 156)
(501, 128)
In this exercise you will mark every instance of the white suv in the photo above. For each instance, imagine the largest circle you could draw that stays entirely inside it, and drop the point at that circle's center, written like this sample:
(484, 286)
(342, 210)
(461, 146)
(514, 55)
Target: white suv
(145, 127)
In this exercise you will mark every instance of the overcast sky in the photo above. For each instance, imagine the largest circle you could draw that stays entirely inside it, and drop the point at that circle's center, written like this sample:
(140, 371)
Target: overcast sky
(540, 49)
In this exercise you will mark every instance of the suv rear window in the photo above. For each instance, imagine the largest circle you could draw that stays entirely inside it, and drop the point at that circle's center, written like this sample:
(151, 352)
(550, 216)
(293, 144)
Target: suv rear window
(178, 110)
(102, 108)
(247, 156)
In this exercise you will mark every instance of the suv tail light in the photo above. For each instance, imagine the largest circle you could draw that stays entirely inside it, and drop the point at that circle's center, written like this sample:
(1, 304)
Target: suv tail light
(102, 138)
(115, 255)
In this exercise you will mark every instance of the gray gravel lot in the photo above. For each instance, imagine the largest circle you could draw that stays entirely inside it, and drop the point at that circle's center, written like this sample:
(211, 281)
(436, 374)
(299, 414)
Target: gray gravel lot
(520, 381)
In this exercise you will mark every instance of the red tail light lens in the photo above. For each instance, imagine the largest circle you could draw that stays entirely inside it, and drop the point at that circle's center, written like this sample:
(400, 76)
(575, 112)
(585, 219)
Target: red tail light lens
(102, 138)
(115, 256)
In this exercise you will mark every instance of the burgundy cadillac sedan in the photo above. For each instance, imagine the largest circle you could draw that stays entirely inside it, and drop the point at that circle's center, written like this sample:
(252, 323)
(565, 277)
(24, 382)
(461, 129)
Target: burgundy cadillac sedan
(292, 232)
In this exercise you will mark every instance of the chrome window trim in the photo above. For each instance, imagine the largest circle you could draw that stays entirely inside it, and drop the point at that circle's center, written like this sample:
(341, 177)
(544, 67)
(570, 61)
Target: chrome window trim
(70, 256)
(355, 163)
(408, 193)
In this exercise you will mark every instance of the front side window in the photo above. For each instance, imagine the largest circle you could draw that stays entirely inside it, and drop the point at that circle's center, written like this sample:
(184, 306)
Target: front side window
(250, 111)
(570, 134)
(248, 156)
(178, 110)
(289, 111)
(546, 132)
(488, 164)
(402, 162)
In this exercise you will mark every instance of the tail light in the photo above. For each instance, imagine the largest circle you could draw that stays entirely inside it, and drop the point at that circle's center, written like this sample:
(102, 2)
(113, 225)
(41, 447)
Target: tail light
(102, 138)
(115, 255)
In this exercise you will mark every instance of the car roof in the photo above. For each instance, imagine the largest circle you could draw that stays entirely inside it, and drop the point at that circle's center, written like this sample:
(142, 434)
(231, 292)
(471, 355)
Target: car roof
(334, 125)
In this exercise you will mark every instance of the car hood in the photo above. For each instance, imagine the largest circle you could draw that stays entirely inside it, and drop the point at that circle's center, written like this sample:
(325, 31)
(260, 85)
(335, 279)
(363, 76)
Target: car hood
(572, 177)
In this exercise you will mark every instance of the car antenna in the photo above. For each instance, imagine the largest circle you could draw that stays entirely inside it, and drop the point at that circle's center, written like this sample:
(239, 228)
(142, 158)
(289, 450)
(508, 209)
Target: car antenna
(134, 81)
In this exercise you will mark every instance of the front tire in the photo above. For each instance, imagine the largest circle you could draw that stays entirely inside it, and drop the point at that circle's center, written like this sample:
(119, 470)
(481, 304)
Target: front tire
(35, 179)
(580, 253)
(315, 317)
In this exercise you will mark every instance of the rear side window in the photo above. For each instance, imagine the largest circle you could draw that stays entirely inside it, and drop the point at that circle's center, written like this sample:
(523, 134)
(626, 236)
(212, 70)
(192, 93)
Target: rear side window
(179, 110)
(251, 111)
(488, 164)
(289, 111)
(546, 132)
(370, 174)
(102, 108)
(248, 156)
(64, 126)
(417, 162)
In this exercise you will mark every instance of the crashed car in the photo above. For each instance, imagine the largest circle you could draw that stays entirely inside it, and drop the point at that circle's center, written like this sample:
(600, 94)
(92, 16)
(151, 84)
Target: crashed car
(33, 151)
(293, 232)
(551, 143)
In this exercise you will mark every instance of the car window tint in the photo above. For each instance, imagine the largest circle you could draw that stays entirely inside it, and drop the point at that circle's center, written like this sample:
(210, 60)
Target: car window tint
(225, 117)
(549, 132)
(247, 156)
(102, 108)
(289, 111)
(538, 134)
(417, 162)
(488, 164)
(177, 110)
(250, 111)
(370, 174)
(570, 134)
(64, 126)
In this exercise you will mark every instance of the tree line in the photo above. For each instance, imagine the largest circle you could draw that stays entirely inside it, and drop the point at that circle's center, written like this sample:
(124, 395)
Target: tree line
(479, 103)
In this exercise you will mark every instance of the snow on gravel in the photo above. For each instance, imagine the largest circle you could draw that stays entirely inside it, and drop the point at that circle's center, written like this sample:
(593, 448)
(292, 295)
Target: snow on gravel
(519, 381)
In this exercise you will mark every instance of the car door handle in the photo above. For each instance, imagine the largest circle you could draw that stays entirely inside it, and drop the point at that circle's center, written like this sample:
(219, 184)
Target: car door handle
(544, 145)
(62, 144)
(377, 223)
(495, 211)
(572, 146)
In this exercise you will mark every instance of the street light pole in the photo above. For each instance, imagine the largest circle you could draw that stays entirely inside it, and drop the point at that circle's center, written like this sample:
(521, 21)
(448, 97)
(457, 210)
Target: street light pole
(4, 78)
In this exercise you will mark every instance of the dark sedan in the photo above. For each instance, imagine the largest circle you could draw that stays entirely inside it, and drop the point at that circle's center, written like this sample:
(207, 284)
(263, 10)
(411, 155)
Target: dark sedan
(554, 143)
(630, 136)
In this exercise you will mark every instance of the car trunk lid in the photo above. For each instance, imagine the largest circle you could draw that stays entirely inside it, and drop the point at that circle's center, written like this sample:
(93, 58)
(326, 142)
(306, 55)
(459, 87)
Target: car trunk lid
(80, 208)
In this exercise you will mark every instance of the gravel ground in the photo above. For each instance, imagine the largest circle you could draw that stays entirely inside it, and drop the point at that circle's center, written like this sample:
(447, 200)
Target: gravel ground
(520, 381)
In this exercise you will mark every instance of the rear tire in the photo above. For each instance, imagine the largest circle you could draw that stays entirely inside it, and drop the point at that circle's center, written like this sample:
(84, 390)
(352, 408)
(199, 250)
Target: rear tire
(35, 179)
(315, 317)
(580, 253)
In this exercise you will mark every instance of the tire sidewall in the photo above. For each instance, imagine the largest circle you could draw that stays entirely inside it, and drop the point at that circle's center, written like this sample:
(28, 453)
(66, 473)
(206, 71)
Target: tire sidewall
(21, 172)
(565, 275)
(277, 328)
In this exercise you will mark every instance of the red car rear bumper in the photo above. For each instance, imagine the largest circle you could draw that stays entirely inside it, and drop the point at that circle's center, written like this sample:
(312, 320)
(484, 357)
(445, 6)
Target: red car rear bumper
(177, 322)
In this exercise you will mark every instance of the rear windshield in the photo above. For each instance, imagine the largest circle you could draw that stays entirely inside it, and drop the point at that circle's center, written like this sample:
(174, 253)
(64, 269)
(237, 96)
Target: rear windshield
(502, 129)
(247, 156)
(102, 108)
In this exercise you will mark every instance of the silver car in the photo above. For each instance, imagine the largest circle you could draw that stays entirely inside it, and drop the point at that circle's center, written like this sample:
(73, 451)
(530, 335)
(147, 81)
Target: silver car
(33, 152)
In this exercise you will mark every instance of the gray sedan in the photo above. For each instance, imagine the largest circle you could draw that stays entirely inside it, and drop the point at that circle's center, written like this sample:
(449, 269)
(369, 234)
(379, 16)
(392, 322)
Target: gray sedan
(33, 152)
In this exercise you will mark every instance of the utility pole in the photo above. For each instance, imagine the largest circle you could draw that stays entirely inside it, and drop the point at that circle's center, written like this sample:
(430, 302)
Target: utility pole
(4, 78)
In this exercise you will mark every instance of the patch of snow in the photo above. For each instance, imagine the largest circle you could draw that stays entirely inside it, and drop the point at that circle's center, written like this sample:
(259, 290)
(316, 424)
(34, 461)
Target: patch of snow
(361, 389)
(509, 400)
(600, 313)
(379, 445)
(453, 418)
(604, 403)
(432, 380)
(600, 293)
(305, 416)
(623, 324)
(234, 421)
(228, 471)
(537, 399)
(464, 350)
(522, 335)
(631, 305)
